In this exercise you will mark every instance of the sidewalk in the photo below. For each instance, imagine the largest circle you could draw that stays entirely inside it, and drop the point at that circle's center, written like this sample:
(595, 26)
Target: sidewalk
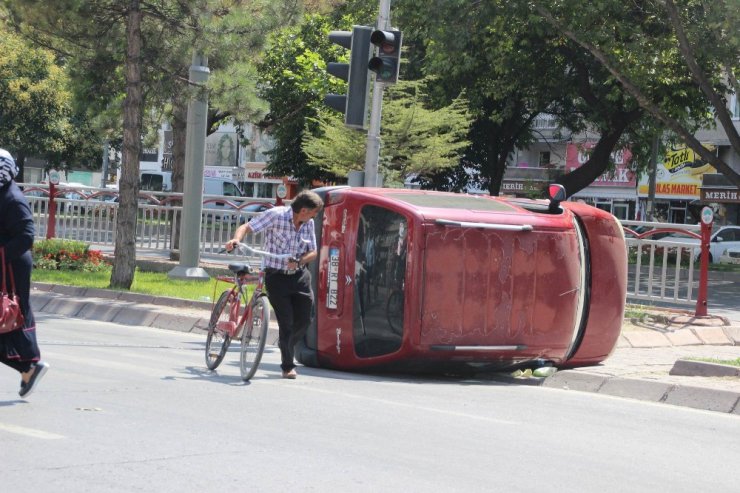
(641, 367)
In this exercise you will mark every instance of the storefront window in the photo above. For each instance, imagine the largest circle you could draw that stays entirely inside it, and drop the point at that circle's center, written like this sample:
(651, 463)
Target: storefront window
(380, 273)
(621, 210)
(677, 212)
(264, 190)
(248, 188)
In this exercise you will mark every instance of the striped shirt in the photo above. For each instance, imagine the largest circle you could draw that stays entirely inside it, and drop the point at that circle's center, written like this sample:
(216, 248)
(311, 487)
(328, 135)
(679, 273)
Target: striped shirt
(281, 236)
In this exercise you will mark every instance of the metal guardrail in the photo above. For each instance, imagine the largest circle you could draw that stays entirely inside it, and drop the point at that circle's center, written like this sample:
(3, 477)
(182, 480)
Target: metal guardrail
(89, 215)
(661, 269)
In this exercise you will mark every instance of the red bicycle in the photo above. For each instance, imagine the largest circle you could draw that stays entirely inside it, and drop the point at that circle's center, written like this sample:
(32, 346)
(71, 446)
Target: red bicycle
(226, 323)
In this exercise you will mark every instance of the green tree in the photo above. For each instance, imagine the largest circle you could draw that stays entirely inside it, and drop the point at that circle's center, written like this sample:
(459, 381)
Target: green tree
(293, 80)
(143, 50)
(490, 50)
(35, 104)
(691, 47)
(416, 141)
(516, 65)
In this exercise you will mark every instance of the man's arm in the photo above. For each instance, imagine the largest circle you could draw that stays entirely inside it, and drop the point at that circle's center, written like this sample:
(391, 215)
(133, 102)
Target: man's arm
(307, 258)
(239, 235)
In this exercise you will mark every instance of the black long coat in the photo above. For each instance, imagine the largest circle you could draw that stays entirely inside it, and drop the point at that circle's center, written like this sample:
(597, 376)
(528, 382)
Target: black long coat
(16, 236)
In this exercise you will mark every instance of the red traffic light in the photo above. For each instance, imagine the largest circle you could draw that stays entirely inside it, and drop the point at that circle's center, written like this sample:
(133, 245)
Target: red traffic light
(387, 63)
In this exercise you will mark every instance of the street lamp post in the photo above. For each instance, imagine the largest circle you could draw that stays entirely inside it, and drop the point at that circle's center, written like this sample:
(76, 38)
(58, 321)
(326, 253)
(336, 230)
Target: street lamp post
(192, 200)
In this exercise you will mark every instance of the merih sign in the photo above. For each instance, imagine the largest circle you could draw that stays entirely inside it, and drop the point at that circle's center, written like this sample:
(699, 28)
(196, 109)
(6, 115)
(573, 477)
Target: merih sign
(717, 188)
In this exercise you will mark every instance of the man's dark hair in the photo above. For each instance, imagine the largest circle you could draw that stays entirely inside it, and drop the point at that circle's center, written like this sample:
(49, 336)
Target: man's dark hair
(306, 199)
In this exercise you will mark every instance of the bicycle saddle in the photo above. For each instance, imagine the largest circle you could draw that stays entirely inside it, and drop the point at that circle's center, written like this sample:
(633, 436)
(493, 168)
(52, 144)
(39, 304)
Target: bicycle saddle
(241, 268)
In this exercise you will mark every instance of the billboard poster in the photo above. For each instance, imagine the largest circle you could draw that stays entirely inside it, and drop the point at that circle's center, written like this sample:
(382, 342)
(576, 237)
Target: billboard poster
(678, 176)
(221, 149)
(621, 176)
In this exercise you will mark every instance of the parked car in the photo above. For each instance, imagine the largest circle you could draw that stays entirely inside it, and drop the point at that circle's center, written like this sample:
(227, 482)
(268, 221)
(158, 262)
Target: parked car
(723, 237)
(730, 256)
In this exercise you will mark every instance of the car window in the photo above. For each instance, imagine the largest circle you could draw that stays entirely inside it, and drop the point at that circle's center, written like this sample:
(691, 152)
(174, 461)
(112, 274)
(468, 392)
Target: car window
(230, 190)
(730, 234)
(151, 182)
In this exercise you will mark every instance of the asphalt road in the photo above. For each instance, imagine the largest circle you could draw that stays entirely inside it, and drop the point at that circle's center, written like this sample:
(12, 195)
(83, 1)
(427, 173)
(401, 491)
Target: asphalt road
(133, 409)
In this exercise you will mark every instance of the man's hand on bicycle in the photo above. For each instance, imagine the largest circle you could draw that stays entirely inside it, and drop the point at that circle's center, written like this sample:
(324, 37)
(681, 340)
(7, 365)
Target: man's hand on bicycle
(231, 244)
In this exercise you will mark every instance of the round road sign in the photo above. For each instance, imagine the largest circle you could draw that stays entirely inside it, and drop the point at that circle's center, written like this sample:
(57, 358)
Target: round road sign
(54, 177)
(707, 215)
(282, 191)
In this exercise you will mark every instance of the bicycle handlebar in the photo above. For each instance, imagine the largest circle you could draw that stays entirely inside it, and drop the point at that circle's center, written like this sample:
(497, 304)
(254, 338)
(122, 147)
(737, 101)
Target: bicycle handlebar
(280, 256)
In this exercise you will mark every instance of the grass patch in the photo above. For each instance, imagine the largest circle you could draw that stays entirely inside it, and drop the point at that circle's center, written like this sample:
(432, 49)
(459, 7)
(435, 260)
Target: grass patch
(730, 362)
(635, 311)
(154, 283)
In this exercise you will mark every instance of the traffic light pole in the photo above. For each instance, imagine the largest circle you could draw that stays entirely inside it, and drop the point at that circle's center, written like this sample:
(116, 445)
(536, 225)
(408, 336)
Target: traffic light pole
(373, 134)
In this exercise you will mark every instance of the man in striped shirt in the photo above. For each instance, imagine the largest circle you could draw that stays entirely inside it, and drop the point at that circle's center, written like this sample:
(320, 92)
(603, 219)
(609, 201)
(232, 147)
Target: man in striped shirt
(288, 230)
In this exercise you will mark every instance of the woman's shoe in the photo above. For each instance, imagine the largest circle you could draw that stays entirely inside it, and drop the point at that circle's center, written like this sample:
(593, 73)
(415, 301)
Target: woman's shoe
(39, 369)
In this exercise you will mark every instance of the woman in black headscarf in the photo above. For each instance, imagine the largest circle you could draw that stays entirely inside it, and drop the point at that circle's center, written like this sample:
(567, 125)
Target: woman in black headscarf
(18, 348)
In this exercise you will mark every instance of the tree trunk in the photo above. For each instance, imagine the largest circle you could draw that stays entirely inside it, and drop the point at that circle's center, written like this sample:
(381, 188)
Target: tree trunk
(124, 263)
(598, 161)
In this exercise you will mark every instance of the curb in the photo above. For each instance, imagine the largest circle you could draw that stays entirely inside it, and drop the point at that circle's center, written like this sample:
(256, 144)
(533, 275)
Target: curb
(127, 308)
(631, 388)
(679, 395)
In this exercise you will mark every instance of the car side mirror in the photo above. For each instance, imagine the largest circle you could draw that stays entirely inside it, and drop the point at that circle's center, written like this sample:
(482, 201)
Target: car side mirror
(718, 238)
(556, 193)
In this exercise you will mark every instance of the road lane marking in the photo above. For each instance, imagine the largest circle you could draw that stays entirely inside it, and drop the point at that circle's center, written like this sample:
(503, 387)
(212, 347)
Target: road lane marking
(30, 432)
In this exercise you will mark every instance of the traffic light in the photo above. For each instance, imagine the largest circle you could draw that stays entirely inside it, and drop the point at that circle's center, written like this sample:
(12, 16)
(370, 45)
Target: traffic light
(388, 61)
(354, 103)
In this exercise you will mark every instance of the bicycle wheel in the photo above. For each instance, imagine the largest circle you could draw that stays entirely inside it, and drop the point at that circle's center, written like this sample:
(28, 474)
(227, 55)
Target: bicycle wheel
(219, 338)
(254, 336)
(394, 311)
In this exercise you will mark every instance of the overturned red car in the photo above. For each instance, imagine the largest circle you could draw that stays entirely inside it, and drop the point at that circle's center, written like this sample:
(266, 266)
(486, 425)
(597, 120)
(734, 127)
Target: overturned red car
(423, 280)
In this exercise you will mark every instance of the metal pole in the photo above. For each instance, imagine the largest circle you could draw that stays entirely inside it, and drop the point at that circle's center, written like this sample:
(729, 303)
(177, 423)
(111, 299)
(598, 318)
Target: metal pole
(373, 133)
(701, 299)
(192, 203)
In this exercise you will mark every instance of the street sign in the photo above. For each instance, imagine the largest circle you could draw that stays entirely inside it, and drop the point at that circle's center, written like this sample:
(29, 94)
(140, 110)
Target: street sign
(282, 191)
(54, 177)
(707, 215)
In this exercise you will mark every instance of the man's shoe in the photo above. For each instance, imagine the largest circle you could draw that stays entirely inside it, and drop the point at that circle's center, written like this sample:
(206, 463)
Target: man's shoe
(290, 374)
(39, 369)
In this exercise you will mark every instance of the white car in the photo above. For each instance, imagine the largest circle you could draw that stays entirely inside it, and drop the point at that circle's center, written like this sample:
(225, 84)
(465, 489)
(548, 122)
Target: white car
(730, 256)
(723, 238)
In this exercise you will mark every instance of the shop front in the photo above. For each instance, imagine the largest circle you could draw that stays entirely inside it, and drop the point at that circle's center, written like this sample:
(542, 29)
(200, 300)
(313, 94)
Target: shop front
(678, 180)
(258, 184)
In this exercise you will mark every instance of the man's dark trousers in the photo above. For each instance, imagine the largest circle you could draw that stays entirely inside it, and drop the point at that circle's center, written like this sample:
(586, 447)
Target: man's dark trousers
(292, 299)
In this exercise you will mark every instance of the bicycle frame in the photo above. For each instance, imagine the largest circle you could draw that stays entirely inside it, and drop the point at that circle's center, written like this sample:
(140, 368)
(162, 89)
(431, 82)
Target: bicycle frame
(239, 283)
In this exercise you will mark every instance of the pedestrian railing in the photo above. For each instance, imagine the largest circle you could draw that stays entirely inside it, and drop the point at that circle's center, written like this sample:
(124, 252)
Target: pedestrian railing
(90, 215)
(663, 258)
(662, 261)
